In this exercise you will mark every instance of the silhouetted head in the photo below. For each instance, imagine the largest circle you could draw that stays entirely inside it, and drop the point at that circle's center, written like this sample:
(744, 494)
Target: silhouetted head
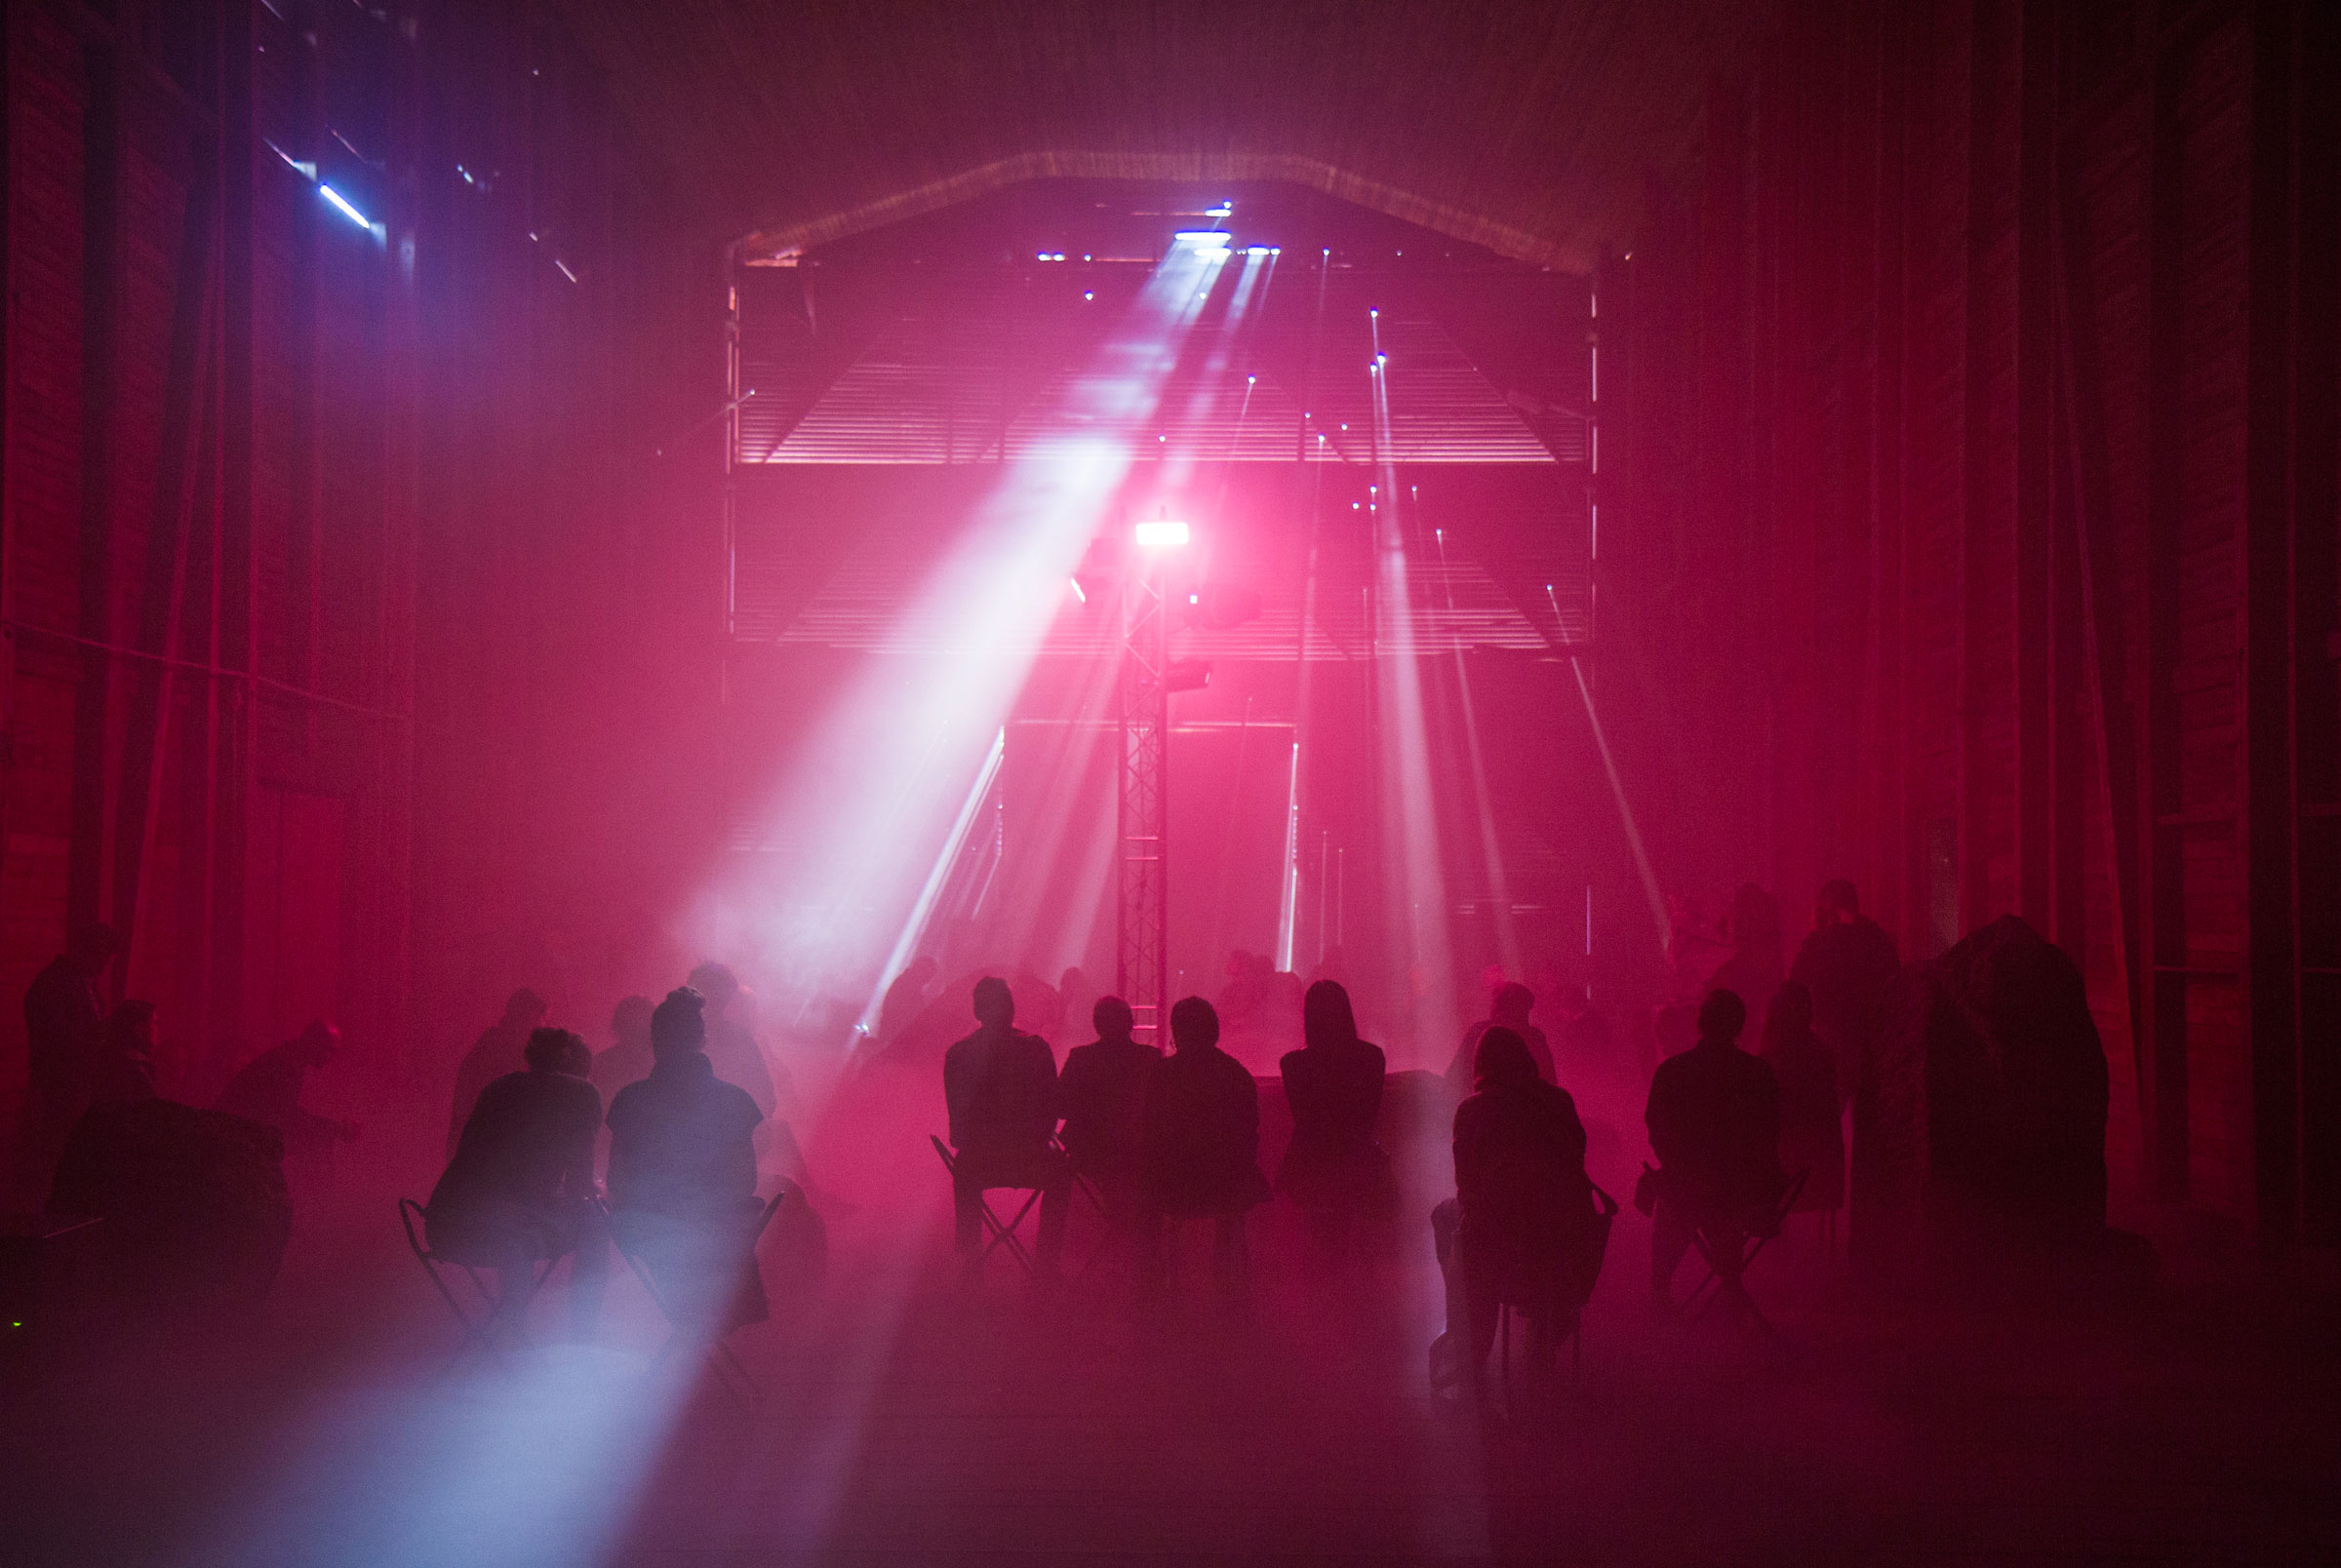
(525, 1008)
(1326, 1016)
(130, 1027)
(1195, 1024)
(630, 1024)
(318, 1042)
(1502, 1059)
(679, 1025)
(1791, 1011)
(715, 983)
(1839, 904)
(995, 1003)
(555, 1050)
(91, 948)
(1112, 1018)
(1722, 1016)
(1513, 1003)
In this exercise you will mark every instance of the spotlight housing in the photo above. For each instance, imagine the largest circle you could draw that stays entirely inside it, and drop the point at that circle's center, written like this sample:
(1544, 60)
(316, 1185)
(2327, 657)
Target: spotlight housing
(1186, 675)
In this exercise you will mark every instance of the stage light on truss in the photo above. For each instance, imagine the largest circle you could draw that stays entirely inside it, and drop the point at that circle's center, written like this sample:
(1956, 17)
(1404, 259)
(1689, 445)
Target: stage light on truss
(1186, 675)
(1162, 533)
(1205, 243)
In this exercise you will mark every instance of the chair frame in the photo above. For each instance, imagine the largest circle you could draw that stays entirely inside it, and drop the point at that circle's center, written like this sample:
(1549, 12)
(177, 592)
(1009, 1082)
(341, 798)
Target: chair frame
(479, 1323)
(732, 1373)
(1728, 1282)
(1002, 1236)
(1606, 1208)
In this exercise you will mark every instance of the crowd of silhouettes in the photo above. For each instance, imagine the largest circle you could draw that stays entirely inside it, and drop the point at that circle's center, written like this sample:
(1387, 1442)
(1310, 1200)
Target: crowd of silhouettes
(687, 1099)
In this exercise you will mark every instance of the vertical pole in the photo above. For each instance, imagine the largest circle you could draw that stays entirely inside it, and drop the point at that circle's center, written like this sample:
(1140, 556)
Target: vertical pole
(101, 307)
(2271, 961)
(237, 759)
(2162, 913)
(2038, 789)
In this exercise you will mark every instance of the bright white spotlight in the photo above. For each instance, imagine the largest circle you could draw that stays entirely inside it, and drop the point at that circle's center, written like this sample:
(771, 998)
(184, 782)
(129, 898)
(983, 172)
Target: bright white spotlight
(347, 211)
(1162, 533)
(1204, 242)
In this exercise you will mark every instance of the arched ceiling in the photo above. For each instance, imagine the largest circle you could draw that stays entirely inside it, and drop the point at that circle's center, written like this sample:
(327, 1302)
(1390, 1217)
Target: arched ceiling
(1526, 126)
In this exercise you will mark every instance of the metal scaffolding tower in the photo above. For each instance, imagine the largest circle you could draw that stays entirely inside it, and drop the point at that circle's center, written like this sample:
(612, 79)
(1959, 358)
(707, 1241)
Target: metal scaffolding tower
(1141, 953)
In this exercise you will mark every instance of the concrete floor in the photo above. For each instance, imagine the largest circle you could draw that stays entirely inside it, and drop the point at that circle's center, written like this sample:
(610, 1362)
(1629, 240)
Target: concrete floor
(900, 1419)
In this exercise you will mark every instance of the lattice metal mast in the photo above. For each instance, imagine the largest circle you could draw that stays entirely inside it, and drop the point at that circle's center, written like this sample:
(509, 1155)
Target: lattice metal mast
(1141, 958)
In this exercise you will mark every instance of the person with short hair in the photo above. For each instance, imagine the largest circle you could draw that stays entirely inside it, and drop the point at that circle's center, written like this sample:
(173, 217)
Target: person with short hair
(628, 1058)
(125, 1069)
(1714, 1118)
(1104, 1092)
(520, 1189)
(1199, 1144)
(64, 1033)
(499, 1050)
(999, 1090)
(271, 1086)
(1508, 1009)
(682, 1176)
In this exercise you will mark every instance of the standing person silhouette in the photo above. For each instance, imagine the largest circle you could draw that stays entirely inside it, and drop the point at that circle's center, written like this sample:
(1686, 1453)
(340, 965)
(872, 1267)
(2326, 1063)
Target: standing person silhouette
(1199, 1147)
(629, 1057)
(1335, 1169)
(64, 1029)
(1714, 1118)
(499, 1050)
(1850, 965)
(1812, 1136)
(1508, 1009)
(1000, 1088)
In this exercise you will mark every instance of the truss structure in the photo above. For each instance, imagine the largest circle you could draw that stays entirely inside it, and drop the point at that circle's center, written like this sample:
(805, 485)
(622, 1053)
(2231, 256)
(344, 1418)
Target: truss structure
(1142, 888)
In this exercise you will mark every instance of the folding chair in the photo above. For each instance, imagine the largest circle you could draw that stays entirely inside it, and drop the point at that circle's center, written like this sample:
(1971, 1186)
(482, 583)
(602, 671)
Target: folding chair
(1598, 1249)
(479, 1323)
(1003, 1234)
(1728, 1257)
(1085, 1188)
(731, 1372)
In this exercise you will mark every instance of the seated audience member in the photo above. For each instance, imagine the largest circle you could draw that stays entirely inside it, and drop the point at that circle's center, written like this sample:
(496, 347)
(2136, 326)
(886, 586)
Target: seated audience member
(1334, 1168)
(1103, 1093)
(1510, 1008)
(682, 1177)
(1199, 1144)
(732, 1040)
(497, 1051)
(904, 996)
(628, 1058)
(1812, 1134)
(1000, 1088)
(269, 1088)
(1521, 1228)
(125, 1067)
(520, 1189)
(1713, 1116)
